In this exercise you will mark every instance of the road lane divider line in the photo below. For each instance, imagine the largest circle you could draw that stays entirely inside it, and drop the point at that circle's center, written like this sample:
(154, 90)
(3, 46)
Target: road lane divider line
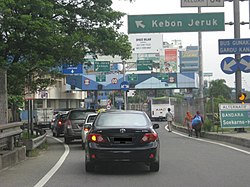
(53, 170)
(211, 142)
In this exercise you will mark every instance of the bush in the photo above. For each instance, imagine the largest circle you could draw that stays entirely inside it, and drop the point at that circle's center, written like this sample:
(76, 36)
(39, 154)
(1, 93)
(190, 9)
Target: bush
(208, 125)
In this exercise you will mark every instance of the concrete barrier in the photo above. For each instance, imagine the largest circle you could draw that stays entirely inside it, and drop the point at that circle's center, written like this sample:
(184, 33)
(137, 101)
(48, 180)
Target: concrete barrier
(11, 158)
(219, 137)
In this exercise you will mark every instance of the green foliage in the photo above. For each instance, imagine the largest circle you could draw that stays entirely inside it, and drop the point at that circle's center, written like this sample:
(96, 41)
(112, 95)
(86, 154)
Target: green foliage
(139, 97)
(219, 88)
(215, 102)
(15, 101)
(38, 36)
(207, 125)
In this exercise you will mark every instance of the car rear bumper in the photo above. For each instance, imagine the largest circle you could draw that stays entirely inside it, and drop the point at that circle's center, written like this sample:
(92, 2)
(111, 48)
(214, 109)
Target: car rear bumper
(69, 133)
(146, 155)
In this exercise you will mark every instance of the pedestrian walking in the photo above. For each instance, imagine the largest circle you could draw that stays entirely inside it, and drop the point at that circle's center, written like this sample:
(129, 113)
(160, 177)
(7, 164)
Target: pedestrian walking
(188, 122)
(169, 118)
(197, 122)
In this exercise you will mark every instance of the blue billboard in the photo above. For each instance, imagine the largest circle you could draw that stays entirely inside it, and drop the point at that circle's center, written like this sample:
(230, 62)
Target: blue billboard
(144, 81)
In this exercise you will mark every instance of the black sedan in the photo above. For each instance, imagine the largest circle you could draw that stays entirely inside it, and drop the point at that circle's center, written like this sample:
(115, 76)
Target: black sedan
(58, 126)
(122, 136)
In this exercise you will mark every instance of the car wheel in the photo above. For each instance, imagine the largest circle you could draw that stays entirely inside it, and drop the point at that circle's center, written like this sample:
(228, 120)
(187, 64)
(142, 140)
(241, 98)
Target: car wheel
(155, 166)
(66, 140)
(89, 167)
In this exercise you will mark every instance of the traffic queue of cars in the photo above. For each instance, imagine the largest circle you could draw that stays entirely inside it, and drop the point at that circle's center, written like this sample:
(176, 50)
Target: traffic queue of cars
(70, 123)
(111, 136)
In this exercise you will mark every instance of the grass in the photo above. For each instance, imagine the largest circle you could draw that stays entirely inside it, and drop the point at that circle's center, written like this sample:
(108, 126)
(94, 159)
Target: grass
(35, 152)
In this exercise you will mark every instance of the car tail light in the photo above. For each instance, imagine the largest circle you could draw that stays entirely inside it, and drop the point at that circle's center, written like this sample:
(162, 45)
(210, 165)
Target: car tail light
(149, 137)
(95, 138)
(59, 123)
(151, 155)
(68, 124)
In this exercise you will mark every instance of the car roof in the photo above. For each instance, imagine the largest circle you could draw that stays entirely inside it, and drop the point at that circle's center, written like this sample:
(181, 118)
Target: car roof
(83, 109)
(125, 111)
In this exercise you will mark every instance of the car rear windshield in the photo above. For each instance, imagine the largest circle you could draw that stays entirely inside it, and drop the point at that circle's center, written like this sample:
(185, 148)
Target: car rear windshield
(120, 119)
(75, 115)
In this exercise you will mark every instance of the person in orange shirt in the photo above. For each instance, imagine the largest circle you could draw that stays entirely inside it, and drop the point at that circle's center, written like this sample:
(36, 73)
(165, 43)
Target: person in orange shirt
(188, 121)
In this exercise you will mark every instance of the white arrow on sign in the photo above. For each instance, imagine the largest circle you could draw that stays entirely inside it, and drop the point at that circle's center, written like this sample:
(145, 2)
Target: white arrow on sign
(139, 24)
(228, 66)
(125, 86)
(72, 71)
(246, 63)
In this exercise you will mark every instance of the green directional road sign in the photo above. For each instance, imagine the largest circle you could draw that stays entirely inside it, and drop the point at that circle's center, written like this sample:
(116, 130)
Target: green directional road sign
(100, 78)
(132, 77)
(102, 66)
(192, 22)
(163, 77)
(144, 65)
(234, 115)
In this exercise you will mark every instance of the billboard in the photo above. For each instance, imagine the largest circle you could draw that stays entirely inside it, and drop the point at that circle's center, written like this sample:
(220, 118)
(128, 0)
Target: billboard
(146, 43)
(170, 63)
(142, 81)
(189, 61)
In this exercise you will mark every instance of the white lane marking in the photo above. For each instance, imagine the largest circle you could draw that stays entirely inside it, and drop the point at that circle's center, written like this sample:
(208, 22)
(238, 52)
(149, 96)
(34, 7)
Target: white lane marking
(53, 170)
(211, 142)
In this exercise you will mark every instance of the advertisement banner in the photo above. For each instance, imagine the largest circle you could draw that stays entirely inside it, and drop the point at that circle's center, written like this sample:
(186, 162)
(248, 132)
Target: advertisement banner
(146, 43)
(170, 64)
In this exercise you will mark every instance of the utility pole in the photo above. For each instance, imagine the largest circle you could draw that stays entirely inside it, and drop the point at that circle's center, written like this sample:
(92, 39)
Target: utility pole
(201, 80)
(238, 82)
(3, 97)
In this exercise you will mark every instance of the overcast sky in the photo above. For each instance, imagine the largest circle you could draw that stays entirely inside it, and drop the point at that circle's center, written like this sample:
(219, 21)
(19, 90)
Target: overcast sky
(211, 57)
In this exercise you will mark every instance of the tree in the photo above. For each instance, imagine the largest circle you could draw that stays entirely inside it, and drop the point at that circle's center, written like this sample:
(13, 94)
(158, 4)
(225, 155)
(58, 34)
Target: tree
(219, 88)
(38, 36)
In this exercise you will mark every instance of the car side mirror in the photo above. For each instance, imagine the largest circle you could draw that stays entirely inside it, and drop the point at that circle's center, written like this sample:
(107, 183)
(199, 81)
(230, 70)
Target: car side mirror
(156, 126)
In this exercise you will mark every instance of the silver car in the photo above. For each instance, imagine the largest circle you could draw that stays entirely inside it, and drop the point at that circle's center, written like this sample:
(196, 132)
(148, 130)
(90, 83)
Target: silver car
(88, 123)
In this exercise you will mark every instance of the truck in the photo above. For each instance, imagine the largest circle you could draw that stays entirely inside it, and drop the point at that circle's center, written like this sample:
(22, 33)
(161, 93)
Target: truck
(158, 107)
(43, 117)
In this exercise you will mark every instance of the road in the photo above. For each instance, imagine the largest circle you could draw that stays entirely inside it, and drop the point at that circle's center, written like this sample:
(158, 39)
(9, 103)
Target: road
(185, 162)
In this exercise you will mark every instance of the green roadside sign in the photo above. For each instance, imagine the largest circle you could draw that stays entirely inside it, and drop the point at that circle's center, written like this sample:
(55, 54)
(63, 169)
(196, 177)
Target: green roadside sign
(163, 77)
(132, 77)
(144, 65)
(100, 78)
(102, 66)
(234, 115)
(193, 22)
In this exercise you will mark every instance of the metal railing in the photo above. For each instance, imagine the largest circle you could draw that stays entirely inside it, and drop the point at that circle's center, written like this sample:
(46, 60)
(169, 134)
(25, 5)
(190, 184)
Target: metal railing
(10, 135)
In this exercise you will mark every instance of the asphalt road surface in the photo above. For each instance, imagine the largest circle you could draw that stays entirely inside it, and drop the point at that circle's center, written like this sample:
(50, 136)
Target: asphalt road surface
(184, 162)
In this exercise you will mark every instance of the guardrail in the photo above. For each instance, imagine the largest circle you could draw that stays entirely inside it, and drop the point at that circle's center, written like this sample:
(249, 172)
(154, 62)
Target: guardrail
(33, 143)
(10, 135)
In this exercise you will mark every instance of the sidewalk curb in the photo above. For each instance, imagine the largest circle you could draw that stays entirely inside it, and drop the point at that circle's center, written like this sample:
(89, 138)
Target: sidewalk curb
(219, 137)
